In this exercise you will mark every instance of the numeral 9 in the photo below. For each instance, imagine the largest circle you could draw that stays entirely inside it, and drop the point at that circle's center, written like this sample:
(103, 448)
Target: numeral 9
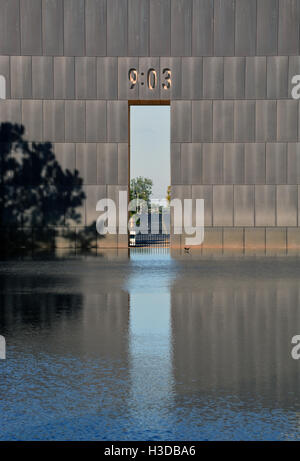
(133, 77)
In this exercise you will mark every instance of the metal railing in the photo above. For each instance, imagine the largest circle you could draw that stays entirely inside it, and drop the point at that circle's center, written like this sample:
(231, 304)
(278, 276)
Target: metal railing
(139, 240)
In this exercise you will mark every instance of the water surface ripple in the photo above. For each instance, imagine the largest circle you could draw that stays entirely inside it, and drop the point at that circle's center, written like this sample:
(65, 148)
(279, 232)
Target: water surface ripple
(150, 347)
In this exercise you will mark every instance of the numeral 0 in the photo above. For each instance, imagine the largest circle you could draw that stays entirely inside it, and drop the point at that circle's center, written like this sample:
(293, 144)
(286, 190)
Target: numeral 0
(152, 79)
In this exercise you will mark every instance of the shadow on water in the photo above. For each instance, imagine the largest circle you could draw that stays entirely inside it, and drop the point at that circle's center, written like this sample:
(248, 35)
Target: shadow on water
(37, 197)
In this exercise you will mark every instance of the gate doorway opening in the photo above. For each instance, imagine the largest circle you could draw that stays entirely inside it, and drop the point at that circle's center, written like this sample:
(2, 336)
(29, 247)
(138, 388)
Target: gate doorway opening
(149, 172)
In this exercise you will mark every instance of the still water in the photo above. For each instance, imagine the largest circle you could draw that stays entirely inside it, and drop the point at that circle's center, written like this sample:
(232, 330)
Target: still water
(151, 347)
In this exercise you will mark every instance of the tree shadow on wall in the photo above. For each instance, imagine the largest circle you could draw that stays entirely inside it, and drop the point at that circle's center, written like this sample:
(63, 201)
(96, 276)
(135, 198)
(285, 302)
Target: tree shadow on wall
(37, 198)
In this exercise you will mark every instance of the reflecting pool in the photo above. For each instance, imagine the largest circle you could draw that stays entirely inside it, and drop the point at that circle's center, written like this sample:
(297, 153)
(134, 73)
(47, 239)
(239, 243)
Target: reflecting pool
(149, 346)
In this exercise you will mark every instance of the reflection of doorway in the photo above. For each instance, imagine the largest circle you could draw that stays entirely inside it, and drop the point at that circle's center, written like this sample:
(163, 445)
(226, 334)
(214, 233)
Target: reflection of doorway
(149, 169)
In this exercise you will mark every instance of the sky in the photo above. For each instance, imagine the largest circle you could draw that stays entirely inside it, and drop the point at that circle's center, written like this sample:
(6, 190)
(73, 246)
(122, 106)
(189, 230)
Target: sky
(150, 146)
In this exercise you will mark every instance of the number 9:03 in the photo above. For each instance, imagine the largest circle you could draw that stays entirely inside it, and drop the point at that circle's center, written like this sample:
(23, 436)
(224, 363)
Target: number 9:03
(152, 78)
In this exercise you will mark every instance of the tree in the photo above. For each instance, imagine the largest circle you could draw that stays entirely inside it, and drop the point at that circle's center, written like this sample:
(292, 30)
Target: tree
(35, 191)
(168, 197)
(141, 188)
